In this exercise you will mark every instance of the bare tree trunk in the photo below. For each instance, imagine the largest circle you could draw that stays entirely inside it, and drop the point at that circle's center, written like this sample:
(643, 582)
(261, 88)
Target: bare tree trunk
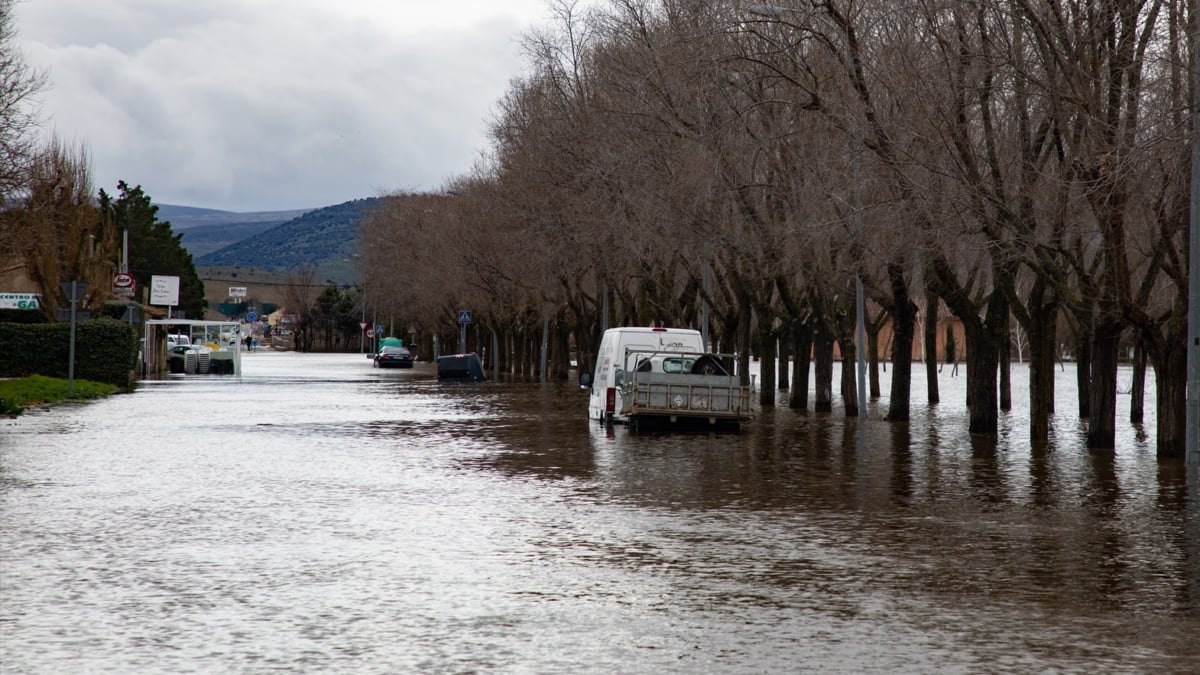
(1042, 330)
(849, 364)
(982, 358)
(1137, 392)
(849, 376)
(1083, 371)
(903, 332)
(1005, 355)
(1041, 327)
(931, 358)
(1102, 425)
(823, 368)
(783, 378)
(766, 371)
(904, 317)
(872, 360)
(1170, 388)
(802, 337)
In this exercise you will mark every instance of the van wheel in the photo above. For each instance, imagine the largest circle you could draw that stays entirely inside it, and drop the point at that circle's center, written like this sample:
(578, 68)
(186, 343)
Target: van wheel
(633, 425)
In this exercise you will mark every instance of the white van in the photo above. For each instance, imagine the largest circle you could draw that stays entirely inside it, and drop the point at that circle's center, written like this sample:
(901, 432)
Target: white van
(623, 350)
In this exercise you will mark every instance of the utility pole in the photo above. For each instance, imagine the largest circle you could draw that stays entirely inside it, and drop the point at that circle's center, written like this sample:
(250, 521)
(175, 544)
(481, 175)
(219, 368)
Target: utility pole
(1192, 418)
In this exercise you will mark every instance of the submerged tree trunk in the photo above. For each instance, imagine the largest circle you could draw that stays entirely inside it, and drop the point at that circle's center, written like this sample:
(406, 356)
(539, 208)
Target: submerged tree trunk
(984, 331)
(1102, 424)
(982, 360)
(802, 345)
(931, 359)
(849, 376)
(823, 368)
(903, 333)
(872, 331)
(1042, 331)
(1137, 389)
(1170, 388)
(1005, 356)
(766, 370)
(1083, 369)
(783, 378)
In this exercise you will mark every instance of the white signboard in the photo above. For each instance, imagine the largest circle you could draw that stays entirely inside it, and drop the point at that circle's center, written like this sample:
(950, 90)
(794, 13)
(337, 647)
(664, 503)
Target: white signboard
(237, 291)
(20, 300)
(164, 291)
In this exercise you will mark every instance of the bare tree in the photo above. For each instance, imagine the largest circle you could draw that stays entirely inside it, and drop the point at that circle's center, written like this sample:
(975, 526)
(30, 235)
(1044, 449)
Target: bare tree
(18, 114)
(58, 231)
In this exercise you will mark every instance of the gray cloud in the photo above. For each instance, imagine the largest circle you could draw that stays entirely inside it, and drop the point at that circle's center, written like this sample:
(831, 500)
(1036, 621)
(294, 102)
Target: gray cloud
(274, 105)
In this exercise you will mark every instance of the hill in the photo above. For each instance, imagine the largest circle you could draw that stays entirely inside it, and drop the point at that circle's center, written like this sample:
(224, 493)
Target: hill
(200, 240)
(187, 217)
(325, 239)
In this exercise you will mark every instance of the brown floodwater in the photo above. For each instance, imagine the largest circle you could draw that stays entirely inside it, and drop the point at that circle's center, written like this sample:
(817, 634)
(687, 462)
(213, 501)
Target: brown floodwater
(318, 515)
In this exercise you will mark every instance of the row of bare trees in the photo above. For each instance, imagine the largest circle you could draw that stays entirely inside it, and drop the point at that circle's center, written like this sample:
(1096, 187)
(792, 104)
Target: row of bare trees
(706, 162)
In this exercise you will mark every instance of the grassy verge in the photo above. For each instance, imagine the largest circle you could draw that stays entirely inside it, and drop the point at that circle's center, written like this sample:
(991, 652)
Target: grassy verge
(16, 395)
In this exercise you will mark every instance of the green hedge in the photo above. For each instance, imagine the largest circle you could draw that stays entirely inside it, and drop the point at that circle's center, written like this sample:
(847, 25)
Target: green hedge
(105, 350)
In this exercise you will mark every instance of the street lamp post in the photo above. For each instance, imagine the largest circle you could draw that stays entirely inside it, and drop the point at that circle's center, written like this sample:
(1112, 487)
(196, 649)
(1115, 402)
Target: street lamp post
(1192, 416)
(362, 325)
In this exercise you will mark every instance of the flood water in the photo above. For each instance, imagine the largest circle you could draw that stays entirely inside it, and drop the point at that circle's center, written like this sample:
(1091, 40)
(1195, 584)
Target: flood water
(321, 516)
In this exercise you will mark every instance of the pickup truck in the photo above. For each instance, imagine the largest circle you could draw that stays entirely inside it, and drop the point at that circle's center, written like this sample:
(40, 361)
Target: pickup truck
(663, 376)
(681, 388)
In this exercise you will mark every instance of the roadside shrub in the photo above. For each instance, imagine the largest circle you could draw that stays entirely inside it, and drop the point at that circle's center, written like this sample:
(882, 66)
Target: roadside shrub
(105, 350)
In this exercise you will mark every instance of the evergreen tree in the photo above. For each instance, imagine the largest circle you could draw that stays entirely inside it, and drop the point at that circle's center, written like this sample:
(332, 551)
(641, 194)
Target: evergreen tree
(154, 249)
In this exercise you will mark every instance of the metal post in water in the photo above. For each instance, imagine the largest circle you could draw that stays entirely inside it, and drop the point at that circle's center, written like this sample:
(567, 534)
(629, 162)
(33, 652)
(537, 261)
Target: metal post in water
(1192, 418)
(859, 308)
(860, 337)
(495, 356)
(71, 351)
(704, 312)
(545, 343)
(604, 311)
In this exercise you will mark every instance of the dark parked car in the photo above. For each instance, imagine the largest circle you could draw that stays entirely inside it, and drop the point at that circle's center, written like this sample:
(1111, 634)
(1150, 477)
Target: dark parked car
(394, 357)
(460, 368)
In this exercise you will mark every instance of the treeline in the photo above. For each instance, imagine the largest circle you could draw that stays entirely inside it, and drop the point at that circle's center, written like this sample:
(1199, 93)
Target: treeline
(712, 163)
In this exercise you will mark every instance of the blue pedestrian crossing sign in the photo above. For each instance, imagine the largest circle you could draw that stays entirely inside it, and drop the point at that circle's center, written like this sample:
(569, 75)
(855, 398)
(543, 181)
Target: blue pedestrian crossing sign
(464, 316)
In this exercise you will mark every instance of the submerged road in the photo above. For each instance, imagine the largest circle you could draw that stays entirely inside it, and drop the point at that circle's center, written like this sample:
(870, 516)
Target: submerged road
(318, 515)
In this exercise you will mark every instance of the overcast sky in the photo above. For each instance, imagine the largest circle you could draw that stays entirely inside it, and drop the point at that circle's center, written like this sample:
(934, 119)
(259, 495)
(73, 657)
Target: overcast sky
(256, 105)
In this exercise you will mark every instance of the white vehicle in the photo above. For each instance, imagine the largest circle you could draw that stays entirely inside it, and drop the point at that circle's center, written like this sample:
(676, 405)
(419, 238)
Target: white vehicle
(663, 375)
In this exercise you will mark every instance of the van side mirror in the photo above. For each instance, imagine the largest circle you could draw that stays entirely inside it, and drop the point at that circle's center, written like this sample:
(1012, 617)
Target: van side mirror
(585, 380)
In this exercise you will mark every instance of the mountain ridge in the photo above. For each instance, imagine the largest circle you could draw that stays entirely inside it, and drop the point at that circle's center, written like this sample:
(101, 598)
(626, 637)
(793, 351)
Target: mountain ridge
(186, 217)
(324, 239)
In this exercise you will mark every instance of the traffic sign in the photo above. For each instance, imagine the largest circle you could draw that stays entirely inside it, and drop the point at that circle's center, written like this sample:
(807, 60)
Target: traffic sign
(123, 284)
(251, 316)
(464, 316)
(370, 333)
(363, 325)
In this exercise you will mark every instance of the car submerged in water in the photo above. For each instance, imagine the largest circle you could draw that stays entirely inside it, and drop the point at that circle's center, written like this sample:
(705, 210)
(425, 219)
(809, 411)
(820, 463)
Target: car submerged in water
(393, 357)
